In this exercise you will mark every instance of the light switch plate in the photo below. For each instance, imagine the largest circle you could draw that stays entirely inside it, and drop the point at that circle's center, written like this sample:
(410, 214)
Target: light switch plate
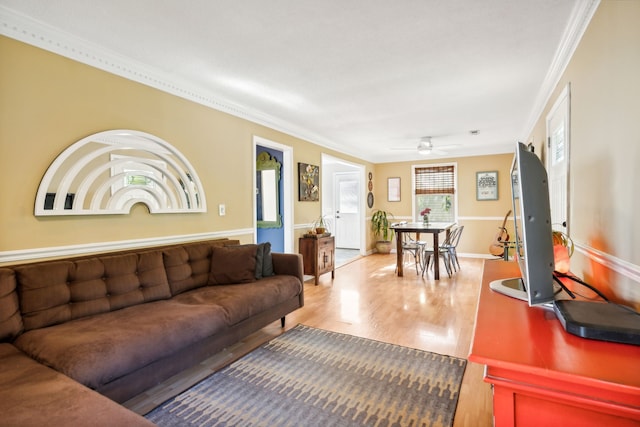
(222, 210)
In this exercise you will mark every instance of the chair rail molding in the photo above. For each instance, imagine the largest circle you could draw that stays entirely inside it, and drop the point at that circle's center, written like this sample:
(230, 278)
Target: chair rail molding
(35, 254)
(611, 262)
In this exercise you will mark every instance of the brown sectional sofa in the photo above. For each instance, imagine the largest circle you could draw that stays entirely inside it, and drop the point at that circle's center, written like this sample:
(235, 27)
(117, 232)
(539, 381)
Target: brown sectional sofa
(32, 394)
(120, 323)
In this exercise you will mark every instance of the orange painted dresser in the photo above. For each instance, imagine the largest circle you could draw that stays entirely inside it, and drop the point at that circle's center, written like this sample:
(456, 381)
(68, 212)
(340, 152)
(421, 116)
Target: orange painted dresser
(544, 376)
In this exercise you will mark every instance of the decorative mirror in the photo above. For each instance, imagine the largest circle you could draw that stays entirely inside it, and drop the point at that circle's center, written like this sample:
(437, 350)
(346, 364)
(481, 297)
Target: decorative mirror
(109, 172)
(268, 181)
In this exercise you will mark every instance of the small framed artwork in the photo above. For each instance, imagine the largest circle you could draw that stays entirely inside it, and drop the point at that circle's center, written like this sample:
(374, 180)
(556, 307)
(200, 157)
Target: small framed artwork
(393, 189)
(308, 182)
(487, 185)
(370, 199)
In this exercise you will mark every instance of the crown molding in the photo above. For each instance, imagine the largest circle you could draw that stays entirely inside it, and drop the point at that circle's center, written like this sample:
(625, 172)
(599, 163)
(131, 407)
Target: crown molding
(36, 33)
(581, 16)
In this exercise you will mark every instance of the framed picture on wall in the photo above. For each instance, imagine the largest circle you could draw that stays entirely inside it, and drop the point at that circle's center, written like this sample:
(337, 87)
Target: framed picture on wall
(308, 182)
(393, 189)
(487, 185)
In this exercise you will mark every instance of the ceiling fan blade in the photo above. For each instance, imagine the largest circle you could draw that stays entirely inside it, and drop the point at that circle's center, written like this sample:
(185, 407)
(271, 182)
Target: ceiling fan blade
(432, 148)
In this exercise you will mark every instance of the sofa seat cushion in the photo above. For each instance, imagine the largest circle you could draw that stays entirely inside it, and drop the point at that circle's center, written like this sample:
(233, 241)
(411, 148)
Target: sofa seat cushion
(241, 301)
(32, 394)
(99, 349)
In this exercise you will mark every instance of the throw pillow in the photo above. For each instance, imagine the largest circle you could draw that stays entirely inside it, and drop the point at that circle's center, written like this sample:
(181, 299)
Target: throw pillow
(233, 264)
(259, 260)
(264, 260)
(267, 260)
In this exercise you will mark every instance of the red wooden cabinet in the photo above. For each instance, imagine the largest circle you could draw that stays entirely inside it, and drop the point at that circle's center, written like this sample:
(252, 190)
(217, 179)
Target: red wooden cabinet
(544, 376)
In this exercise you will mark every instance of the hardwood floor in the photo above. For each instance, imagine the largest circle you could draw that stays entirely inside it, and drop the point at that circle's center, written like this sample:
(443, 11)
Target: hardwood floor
(367, 299)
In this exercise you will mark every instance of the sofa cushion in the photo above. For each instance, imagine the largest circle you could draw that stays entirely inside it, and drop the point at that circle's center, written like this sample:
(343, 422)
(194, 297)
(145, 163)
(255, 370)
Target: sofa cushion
(187, 267)
(264, 261)
(32, 394)
(59, 291)
(241, 301)
(96, 350)
(10, 318)
(233, 264)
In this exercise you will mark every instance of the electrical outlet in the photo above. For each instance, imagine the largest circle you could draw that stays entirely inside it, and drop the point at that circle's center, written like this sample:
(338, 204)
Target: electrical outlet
(222, 210)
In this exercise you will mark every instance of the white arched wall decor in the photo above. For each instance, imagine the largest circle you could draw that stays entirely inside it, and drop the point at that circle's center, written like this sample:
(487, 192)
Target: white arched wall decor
(111, 171)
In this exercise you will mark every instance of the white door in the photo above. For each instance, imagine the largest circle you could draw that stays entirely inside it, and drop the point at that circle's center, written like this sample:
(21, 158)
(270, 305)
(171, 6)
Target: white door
(558, 137)
(347, 203)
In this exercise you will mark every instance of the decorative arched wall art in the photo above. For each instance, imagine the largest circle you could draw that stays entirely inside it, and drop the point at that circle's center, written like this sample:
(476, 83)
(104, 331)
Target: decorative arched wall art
(109, 172)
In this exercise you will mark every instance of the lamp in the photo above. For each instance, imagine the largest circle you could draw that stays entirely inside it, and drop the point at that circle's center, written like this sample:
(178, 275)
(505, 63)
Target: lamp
(425, 146)
(561, 259)
(562, 251)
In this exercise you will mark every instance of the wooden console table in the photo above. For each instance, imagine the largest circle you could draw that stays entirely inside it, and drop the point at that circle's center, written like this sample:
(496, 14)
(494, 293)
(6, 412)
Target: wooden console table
(318, 255)
(544, 376)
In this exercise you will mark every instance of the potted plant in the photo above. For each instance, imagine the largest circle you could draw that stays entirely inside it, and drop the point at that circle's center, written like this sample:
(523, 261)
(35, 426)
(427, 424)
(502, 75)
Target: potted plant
(380, 228)
(319, 226)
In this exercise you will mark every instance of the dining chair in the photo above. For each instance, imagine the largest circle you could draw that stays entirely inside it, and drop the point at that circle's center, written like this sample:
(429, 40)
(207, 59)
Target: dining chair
(451, 247)
(443, 254)
(411, 246)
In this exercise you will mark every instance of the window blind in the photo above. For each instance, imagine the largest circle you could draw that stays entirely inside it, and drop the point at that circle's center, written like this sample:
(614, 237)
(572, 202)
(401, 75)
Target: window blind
(435, 180)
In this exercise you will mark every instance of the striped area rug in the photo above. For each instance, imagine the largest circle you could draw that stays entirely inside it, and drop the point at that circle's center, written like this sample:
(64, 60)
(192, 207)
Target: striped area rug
(313, 377)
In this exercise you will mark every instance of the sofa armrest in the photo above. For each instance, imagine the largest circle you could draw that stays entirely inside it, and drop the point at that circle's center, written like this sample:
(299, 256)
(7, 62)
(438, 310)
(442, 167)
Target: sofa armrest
(289, 264)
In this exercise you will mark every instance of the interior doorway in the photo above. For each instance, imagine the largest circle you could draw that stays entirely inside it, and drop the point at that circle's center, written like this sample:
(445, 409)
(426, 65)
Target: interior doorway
(343, 202)
(558, 145)
(284, 154)
(346, 190)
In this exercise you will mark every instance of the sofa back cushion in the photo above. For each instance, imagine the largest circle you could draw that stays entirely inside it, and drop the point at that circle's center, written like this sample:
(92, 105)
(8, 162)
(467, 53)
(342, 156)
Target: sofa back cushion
(188, 265)
(10, 320)
(59, 291)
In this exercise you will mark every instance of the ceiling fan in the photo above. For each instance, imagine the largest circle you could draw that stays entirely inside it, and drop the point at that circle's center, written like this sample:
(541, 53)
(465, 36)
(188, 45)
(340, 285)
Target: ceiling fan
(425, 147)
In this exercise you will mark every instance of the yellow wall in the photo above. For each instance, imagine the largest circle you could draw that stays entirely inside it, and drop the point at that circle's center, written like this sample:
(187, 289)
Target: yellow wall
(49, 102)
(480, 218)
(605, 148)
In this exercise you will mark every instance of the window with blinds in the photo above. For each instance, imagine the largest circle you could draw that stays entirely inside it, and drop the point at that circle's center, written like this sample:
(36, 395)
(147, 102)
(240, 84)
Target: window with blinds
(435, 188)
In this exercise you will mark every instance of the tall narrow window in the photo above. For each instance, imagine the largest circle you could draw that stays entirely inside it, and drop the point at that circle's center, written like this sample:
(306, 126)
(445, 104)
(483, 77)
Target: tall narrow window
(435, 188)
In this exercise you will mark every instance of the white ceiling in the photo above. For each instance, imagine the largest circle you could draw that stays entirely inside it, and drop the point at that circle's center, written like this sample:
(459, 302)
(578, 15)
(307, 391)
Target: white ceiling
(365, 77)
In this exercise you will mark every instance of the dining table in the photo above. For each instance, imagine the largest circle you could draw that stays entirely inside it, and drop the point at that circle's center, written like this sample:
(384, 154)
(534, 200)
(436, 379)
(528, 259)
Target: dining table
(434, 228)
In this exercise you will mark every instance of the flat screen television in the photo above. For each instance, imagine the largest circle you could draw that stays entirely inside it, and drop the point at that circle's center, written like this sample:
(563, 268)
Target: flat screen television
(533, 234)
(534, 254)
